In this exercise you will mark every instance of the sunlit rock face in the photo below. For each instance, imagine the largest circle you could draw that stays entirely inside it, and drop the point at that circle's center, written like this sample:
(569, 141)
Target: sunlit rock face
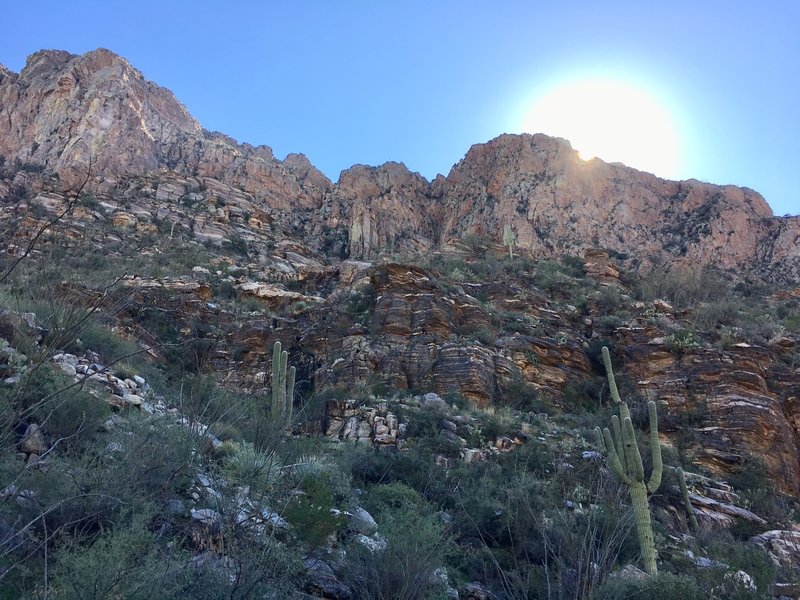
(558, 203)
(95, 114)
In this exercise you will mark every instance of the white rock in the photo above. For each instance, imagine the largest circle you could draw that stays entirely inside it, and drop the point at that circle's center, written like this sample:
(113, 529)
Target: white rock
(68, 369)
(133, 399)
(362, 522)
(274, 519)
(374, 543)
(207, 516)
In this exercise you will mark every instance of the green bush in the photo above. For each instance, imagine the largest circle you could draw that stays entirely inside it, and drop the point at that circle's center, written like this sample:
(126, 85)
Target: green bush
(310, 512)
(125, 562)
(521, 395)
(664, 586)
(416, 544)
(64, 410)
(105, 342)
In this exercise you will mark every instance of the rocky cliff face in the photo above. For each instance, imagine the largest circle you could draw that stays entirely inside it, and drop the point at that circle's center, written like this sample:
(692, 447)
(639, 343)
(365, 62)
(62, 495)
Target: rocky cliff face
(96, 114)
(557, 203)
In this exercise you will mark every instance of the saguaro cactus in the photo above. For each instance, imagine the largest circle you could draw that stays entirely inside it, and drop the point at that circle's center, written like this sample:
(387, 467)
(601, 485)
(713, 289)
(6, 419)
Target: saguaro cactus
(686, 502)
(282, 387)
(509, 239)
(625, 461)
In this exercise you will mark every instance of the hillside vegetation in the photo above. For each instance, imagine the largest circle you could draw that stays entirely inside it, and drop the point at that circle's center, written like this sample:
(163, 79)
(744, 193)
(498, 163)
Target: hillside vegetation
(441, 442)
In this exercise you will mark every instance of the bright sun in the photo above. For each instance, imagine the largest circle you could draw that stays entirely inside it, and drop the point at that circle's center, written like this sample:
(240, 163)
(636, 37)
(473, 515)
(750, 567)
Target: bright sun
(610, 120)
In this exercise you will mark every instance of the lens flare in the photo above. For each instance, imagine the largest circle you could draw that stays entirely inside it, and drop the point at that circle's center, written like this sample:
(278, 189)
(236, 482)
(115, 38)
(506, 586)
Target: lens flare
(611, 120)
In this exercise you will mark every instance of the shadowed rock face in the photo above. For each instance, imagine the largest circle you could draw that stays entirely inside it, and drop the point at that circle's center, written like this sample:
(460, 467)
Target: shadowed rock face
(721, 407)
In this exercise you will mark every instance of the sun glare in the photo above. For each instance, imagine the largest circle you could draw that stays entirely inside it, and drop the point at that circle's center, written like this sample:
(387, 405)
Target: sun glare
(611, 120)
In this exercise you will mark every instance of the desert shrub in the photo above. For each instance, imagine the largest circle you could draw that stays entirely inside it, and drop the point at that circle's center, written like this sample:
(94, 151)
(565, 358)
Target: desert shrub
(124, 562)
(584, 545)
(224, 290)
(238, 245)
(89, 201)
(310, 512)
(65, 411)
(361, 303)
(521, 395)
(105, 342)
(792, 323)
(497, 422)
(664, 586)
(586, 395)
(733, 555)
(608, 300)
(416, 544)
(684, 288)
(725, 312)
(574, 266)
(550, 277)
(250, 568)
(681, 342)
(252, 467)
(370, 466)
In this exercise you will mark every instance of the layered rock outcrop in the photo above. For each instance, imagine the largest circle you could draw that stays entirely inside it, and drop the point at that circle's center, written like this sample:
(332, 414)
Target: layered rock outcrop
(725, 408)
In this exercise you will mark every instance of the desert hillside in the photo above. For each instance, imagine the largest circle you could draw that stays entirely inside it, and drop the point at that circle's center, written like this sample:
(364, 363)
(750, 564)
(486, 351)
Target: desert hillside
(430, 432)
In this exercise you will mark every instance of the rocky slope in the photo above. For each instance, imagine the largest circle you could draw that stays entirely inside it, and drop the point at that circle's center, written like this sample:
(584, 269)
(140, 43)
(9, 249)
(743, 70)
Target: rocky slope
(278, 232)
(96, 114)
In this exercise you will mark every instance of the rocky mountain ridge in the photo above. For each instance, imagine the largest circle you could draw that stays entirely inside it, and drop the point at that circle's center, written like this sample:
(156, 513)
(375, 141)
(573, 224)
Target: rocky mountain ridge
(96, 114)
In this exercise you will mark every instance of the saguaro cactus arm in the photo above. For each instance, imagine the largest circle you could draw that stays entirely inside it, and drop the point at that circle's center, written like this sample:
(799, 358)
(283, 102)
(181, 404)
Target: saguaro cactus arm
(278, 381)
(289, 395)
(612, 382)
(686, 502)
(655, 449)
(606, 444)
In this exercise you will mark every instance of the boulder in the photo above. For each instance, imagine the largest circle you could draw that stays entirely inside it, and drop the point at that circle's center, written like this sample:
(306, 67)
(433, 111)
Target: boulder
(33, 441)
(323, 581)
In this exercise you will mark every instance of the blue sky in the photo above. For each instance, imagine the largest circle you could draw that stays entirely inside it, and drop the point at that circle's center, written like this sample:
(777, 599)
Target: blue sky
(349, 82)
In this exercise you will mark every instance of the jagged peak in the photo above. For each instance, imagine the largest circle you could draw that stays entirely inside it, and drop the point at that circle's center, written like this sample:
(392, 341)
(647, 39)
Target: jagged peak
(391, 168)
(44, 61)
(6, 73)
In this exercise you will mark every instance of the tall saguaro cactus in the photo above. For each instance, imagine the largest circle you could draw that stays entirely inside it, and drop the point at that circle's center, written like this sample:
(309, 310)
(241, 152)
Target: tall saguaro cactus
(282, 387)
(625, 461)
